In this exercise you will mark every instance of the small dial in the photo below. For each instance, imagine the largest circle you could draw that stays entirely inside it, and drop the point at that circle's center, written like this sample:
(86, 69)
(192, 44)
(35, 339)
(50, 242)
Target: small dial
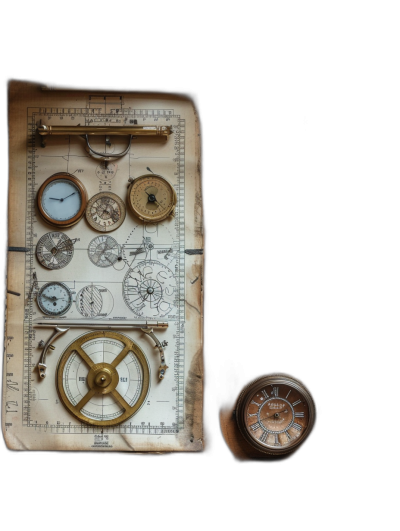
(275, 413)
(62, 200)
(54, 298)
(105, 212)
(55, 250)
(152, 198)
(104, 251)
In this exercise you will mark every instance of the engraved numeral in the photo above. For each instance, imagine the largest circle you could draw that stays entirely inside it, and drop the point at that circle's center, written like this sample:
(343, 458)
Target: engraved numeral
(295, 403)
(255, 403)
(288, 393)
(277, 443)
(299, 414)
(264, 392)
(263, 437)
(252, 414)
(287, 435)
(275, 391)
(255, 426)
(296, 426)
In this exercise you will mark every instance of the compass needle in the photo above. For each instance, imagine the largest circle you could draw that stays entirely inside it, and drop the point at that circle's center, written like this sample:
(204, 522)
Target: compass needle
(152, 198)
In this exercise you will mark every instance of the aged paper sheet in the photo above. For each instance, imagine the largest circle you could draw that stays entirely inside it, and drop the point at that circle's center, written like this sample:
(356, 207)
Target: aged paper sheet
(106, 275)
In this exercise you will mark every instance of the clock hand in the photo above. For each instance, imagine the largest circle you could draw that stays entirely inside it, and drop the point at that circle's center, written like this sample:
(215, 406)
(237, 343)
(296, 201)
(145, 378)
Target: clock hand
(53, 298)
(272, 416)
(62, 199)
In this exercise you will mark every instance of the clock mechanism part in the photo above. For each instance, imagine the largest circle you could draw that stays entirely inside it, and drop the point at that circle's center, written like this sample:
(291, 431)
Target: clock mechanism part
(105, 212)
(62, 200)
(275, 414)
(151, 197)
(103, 378)
(54, 298)
(55, 250)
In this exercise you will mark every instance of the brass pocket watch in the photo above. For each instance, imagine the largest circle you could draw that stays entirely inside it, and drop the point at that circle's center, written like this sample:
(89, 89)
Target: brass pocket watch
(151, 197)
(105, 212)
(62, 200)
(275, 414)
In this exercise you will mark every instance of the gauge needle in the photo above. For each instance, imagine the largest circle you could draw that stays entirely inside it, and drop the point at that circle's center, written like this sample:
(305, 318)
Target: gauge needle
(62, 199)
(53, 298)
(152, 198)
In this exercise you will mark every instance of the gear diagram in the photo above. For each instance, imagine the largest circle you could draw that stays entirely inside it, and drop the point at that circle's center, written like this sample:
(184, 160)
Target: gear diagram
(149, 289)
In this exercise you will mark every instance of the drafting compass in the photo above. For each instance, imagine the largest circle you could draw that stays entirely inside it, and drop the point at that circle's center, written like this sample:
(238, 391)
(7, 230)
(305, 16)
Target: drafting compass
(151, 197)
(55, 250)
(62, 200)
(103, 378)
(105, 212)
(54, 298)
(275, 414)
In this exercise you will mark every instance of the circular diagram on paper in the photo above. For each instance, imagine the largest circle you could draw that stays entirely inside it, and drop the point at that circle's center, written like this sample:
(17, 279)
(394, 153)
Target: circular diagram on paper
(150, 241)
(94, 301)
(149, 289)
(106, 173)
(104, 251)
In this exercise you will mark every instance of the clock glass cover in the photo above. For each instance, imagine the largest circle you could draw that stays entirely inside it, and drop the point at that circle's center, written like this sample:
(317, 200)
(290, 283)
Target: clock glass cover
(275, 413)
(62, 200)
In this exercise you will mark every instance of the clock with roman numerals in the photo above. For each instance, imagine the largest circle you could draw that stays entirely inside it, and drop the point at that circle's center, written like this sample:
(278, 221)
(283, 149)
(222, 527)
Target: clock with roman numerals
(275, 413)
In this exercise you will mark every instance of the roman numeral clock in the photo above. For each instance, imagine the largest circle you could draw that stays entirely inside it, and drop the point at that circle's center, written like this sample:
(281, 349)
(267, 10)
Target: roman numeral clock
(275, 414)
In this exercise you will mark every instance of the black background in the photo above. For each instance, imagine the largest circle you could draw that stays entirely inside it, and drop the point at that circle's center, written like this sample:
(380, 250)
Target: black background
(266, 258)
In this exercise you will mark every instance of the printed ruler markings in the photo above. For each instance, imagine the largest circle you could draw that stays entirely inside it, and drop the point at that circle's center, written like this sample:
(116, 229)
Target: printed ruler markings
(98, 116)
(27, 325)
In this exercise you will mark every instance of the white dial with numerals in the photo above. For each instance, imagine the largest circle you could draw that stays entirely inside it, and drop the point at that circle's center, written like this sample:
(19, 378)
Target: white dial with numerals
(54, 298)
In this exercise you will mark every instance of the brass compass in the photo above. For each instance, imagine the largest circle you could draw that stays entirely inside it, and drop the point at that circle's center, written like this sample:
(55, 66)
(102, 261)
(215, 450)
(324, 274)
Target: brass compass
(105, 212)
(103, 378)
(275, 414)
(152, 198)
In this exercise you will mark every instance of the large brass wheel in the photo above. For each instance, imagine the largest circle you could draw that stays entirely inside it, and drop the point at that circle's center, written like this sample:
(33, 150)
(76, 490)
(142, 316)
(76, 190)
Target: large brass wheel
(103, 378)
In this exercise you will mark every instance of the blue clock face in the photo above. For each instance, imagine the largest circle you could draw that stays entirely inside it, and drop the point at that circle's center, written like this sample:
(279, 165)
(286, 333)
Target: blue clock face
(61, 200)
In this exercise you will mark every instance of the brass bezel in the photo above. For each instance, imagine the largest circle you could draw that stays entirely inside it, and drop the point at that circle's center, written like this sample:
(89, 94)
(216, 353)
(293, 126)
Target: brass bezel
(248, 392)
(144, 217)
(93, 223)
(84, 196)
(129, 345)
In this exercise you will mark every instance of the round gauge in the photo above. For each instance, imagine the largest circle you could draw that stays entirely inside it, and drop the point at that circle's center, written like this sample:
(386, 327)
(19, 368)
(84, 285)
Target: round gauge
(103, 378)
(105, 212)
(62, 200)
(55, 250)
(54, 298)
(151, 198)
(275, 413)
(104, 251)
